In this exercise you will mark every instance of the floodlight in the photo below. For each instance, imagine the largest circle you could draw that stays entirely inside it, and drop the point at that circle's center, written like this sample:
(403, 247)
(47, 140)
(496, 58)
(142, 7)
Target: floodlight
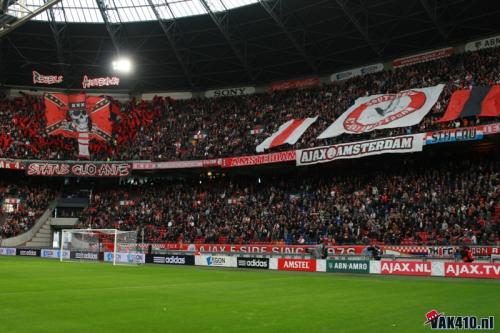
(122, 65)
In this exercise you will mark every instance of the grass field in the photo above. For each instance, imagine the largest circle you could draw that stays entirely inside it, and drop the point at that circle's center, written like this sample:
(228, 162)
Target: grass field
(41, 295)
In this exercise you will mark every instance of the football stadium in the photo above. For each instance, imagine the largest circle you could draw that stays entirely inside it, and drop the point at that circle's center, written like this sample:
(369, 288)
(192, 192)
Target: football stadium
(249, 166)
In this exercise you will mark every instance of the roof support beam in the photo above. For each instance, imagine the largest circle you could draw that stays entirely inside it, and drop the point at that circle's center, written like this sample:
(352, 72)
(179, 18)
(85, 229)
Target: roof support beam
(59, 33)
(8, 27)
(278, 19)
(115, 30)
(171, 31)
(432, 12)
(343, 4)
(221, 20)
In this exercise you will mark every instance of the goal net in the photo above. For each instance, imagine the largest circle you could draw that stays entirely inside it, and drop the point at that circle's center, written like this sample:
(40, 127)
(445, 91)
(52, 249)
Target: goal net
(106, 245)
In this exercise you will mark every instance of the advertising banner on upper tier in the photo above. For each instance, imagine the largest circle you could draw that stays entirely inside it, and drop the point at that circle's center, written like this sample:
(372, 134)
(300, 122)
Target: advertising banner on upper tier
(78, 169)
(483, 44)
(225, 92)
(391, 145)
(422, 57)
(295, 84)
(359, 71)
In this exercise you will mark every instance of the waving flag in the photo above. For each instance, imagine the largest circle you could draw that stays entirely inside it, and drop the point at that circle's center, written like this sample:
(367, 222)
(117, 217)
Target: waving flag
(406, 108)
(479, 101)
(290, 132)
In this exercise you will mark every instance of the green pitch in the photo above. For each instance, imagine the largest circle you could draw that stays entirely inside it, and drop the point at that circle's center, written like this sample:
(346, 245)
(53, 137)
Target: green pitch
(41, 295)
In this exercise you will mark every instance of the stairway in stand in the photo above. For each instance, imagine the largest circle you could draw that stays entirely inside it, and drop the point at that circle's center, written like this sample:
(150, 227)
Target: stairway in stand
(43, 238)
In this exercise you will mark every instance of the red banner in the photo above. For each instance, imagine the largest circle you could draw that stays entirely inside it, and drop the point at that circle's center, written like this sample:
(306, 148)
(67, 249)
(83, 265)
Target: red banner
(472, 270)
(438, 251)
(490, 129)
(78, 169)
(232, 162)
(305, 265)
(16, 165)
(227, 248)
(295, 84)
(422, 57)
(406, 268)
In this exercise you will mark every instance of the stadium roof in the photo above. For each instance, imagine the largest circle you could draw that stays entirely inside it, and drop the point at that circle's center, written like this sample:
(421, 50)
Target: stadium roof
(197, 44)
(121, 11)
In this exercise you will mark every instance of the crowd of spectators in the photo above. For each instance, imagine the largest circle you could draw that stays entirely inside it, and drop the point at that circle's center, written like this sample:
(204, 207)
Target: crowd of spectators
(164, 129)
(411, 202)
(22, 203)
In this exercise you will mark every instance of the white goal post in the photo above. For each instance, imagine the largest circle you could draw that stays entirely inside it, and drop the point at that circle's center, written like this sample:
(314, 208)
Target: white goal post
(106, 245)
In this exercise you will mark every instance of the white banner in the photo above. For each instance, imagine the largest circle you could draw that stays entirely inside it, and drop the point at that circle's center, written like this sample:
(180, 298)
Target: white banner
(54, 254)
(290, 132)
(374, 267)
(224, 92)
(320, 265)
(360, 71)
(7, 251)
(127, 258)
(483, 44)
(216, 261)
(406, 108)
(390, 145)
(437, 268)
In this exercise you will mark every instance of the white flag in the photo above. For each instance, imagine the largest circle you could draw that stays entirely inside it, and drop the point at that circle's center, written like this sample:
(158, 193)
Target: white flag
(83, 144)
(290, 132)
(406, 108)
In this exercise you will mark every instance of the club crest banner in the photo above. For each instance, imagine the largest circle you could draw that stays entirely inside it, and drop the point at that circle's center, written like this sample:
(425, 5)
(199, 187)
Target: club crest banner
(403, 109)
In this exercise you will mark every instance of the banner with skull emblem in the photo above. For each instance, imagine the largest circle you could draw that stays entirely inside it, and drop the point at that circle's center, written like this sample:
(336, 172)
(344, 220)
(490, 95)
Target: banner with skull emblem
(78, 116)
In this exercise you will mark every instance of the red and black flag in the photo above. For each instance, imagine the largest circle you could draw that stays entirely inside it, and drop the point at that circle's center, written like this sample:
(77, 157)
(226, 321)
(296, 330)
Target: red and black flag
(478, 101)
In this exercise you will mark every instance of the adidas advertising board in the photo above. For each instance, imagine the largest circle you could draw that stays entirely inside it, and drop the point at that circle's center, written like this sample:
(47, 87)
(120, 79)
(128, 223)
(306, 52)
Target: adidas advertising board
(28, 252)
(169, 259)
(258, 263)
(84, 255)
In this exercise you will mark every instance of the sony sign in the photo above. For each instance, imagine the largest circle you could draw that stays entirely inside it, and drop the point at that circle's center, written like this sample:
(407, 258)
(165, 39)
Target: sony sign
(224, 92)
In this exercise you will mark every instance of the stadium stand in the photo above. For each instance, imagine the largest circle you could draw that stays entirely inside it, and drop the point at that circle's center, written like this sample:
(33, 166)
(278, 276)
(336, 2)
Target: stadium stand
(23, 201)
(164, 129)
(453, 201)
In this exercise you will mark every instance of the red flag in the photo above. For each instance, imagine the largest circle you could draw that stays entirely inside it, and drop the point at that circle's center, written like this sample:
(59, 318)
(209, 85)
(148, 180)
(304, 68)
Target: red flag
(479, 101)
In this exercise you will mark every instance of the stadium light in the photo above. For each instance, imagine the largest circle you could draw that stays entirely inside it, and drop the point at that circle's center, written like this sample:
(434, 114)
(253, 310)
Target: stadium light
(122, 65)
